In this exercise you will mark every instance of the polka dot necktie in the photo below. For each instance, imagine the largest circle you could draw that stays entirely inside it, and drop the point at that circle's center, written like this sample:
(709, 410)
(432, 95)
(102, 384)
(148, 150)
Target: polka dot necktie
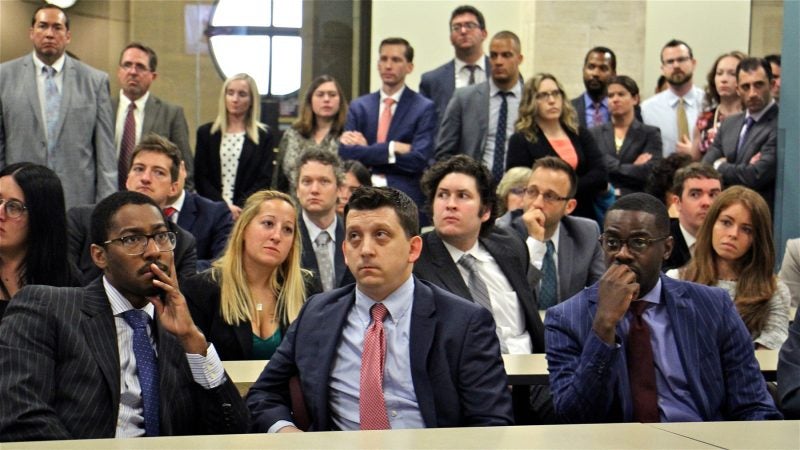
(146, 368)
(371, 403)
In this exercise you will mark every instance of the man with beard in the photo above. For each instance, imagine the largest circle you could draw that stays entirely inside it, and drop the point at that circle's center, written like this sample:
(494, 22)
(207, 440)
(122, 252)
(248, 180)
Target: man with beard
(120, 357)
(674, 111)
(744, 150)
(599, 65)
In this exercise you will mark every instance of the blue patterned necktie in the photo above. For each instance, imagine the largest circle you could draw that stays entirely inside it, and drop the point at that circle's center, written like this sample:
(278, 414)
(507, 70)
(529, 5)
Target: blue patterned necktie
(52, 106)
(499, 161)
(548, 291)
(146, 368)
(748, 123)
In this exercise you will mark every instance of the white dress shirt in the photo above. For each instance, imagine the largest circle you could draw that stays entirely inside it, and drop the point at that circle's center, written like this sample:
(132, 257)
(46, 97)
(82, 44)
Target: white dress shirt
(58, 65)
(462, 73)
(122, 114)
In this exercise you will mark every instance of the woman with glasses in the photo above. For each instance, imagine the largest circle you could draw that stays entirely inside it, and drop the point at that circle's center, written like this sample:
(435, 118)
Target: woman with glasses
(33, 231)
(511, 189)
(234, 153)
(630, 148)
(246, 301)
(548, 126)
(735, 251)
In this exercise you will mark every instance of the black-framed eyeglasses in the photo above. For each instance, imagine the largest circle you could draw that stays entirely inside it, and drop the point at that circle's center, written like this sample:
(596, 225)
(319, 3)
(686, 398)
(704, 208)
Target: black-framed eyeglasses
(635, 244)
(136, 244)
(14, 208)
(549, 196)
(469, 26)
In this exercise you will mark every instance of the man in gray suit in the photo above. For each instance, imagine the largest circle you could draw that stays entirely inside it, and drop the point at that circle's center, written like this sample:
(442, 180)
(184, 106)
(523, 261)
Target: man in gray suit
(137, 71)
(467, 33)
(55, 111)
(744, 150)
(480, 118)
(566, 249)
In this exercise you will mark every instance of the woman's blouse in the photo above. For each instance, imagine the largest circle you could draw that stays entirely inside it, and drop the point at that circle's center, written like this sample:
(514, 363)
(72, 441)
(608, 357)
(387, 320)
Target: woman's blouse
(707, 121)
(776, 327)
(265, 348)
(565, 151)
(229, 152)
(293, 144)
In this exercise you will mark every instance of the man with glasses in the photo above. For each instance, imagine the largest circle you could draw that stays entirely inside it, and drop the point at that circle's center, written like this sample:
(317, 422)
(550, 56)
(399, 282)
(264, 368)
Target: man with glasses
(641, 347)
(564, 248)
(470, 65)
(674, 111)
(138, 113)
(120, 357)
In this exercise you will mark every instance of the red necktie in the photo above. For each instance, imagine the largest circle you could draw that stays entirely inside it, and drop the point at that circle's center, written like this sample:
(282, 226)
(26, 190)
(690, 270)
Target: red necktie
(385, 121)
(641, 368)
(126, 146)
(371, 404)
(169, 211)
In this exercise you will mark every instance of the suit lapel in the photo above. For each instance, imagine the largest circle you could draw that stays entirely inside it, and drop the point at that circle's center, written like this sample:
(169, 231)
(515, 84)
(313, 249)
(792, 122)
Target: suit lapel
(29, 77)
(403, 107)
(309, 259)
(188, 214)
(483, 110)
(565, 251)
(101, 335)
(447, 269)
(422, 331)
(169, 369)
(68, 87)
(338, 254)
(150, 111)
(634, 136)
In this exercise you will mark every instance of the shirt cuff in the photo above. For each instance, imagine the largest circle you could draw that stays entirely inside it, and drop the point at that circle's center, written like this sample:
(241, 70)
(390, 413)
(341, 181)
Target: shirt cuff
(392, 158)
(207, 371)
(277, 426)
(718, 163)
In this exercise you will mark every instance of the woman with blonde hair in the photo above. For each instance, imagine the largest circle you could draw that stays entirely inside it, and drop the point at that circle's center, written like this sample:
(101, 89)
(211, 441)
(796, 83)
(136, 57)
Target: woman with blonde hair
(246, 301)
(511, 189)
(234, 153)
(547, 125)
(735, 251)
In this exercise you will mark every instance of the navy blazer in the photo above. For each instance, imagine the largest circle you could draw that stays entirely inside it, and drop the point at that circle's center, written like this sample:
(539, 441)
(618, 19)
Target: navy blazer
(789, 371)
(309, 259)
(253, 173)
(622, 173)
(589, 379)
(413, 122)
(680, 251)
(440, 83)
(457, 371)
(210, 223)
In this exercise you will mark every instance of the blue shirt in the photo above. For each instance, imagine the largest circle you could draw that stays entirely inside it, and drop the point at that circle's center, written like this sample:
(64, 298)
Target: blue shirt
(590, 110)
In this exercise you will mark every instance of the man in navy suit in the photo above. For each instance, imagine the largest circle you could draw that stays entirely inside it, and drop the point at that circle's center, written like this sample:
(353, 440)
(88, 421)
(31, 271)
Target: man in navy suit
(470, 65)
(391, 131)
(441, 364)
(638, 346)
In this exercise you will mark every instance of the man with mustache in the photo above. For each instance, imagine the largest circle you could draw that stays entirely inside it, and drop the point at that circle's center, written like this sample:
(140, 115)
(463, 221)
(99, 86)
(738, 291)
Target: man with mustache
(674, 111)
(744, 150)
(120, 357)
(599, 66)
(641, 347)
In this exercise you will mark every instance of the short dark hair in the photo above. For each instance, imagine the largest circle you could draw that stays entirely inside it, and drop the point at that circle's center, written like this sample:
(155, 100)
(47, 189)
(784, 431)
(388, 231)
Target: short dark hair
(659, 182)
(603, 50)
(505, 34)
(324, 157)
(409, 53)
(559, 165)
(368, 198)
(468, 166)
(774, 58)
(151, 54)
(675, 43)
(627, 82)
(693, 170)
(639, 201)
(159, 144)
(104, 212)
(49, 6)
(469, 9)
(358, 170)
(752, 65)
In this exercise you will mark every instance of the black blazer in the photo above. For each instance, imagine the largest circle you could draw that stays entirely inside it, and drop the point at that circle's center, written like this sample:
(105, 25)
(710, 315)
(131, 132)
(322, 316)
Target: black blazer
(640, 139)
(309, 259)
(592, 175)
(680, 251)
(253, 174)
(210, 223)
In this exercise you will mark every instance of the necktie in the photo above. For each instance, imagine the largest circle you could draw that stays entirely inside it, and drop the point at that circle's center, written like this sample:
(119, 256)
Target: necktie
(52, 106)
(324, 263)
(146, 368)
(476, 285)
(386, 120)
(169, 211)
(471, 68)
(641, 368)
(371, 403)
(683, 123)
(126, 146)
(597, 116)
(498, 163)
(548, 291)
(748, 123)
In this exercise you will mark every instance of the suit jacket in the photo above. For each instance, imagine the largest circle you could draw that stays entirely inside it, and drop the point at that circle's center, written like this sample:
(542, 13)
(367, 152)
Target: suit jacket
(589, 379)
(84, 156)
(789, 371)
(61, 372)
(413, 122)
(790, 269)
(309, 259)
(167, 120)
(437, 266)
(592, 175)
(762, 139)
(456, 368)
(680, 251)
(622, 173)
(210, 223)
(580, 258)
(79, 220)
(465, 125)
(253, 173)
(440, 83)
(579, 103)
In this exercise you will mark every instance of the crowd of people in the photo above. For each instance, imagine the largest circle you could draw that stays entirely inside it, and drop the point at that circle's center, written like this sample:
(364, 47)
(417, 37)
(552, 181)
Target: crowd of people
(631, 242)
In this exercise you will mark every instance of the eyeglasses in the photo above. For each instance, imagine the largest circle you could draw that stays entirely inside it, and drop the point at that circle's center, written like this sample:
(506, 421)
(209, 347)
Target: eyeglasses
(517, 191)
(635, 244)
(137, 67)
(549, 196)
(469, 26)
(14, 208)
(679, 60)
(136, 244)
(546, 95)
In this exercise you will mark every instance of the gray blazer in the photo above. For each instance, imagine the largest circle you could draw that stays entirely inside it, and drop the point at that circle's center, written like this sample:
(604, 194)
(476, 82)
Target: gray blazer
(167, 120)
(465, 125)
(84, 157)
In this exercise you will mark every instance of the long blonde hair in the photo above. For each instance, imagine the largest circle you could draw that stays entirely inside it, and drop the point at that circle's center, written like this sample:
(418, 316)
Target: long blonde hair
(252, 122)
(236, 302)
(529, 108)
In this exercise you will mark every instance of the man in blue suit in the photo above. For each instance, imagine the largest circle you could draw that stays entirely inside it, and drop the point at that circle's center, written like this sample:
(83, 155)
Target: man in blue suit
(440, 366)
(391, 131)
(638, 346)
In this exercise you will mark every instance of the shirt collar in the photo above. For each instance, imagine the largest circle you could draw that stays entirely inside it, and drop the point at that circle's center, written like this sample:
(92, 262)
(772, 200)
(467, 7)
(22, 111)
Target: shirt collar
(140, 102)
(516, 91)
(120, 304)
(654, 296)
(58, 65)
(396, 96)
(178, 204)
(480, 63)
(314, 230)
(690, 99)
(757, 116)
(476, 251)
(398, 302)
(588, 101)
(690, 240)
